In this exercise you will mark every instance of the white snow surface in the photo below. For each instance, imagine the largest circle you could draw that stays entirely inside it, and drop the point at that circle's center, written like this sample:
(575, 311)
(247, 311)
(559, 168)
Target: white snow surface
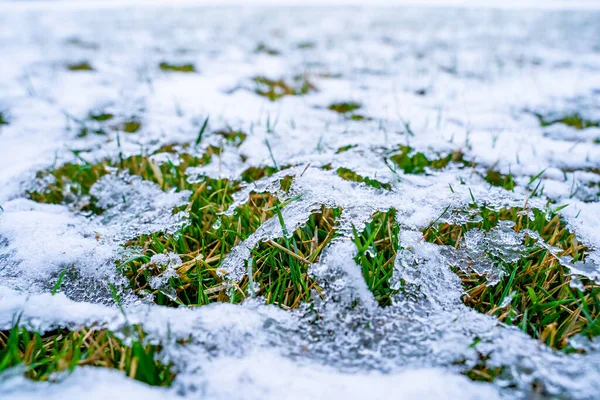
(435, 78)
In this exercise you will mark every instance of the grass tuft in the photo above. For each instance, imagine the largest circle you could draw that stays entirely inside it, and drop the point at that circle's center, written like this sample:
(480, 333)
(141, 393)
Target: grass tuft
(348, 108)
(346, 148)
(358, 117)
(70, 184)
(45, 355)
(264, 49)
(82, 66)
(285, 183)
(497, 179)
(101, 117)
(281, 265)
(201, 245)
(276, 89)
(168, 67)
(377, 247)
(131, 126)
(573, 120)
(344, 107)
(537, 292)
(417, 163)
(350, 175)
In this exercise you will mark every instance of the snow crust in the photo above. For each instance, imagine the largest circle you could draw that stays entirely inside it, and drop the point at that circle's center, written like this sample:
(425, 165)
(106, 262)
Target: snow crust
(436, 79)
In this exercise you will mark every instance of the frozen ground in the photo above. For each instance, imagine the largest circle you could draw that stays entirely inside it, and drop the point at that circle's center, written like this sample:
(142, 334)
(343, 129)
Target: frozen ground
(437, 79)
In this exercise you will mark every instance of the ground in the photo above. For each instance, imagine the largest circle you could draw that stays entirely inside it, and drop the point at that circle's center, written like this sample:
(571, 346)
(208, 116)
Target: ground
(299, 202)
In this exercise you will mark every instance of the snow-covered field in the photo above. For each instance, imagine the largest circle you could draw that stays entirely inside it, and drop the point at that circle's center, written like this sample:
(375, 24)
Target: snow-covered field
(435, 79)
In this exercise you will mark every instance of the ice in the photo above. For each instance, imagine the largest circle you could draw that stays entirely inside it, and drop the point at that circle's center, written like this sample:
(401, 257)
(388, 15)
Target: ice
(435, 79)
(133, 206)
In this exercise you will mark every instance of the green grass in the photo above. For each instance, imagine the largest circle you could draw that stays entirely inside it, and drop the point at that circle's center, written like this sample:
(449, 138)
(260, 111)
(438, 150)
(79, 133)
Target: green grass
(101, 116)
(131, 126)
(344, 107)
(45, 355)
(82, 66)
(358, 117)
(497, 179)
(573, 120)
(274, 89)
(285, 183)
(168, 67)
(377, 247)
(281, 265)
(350, 175)
(346, 148)
(543, 304)
(264, 49)
(348, 108)
(417, 163)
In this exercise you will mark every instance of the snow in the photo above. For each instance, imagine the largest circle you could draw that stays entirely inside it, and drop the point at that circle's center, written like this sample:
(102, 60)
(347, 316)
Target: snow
(483, 71)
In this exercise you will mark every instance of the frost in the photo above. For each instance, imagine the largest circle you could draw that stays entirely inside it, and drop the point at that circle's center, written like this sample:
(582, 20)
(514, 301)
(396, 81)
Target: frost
(168, 263)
